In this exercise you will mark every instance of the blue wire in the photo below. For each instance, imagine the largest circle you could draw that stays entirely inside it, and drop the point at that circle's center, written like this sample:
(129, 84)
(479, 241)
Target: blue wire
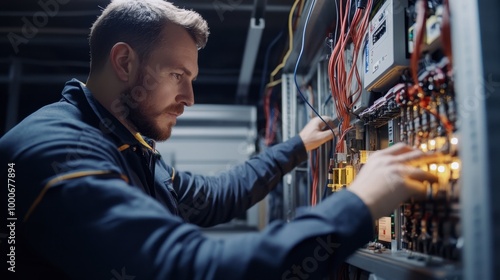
(324, 191)
(337, 23)
(349, 14)
(297, 65)
(266, 62)
(328, 99)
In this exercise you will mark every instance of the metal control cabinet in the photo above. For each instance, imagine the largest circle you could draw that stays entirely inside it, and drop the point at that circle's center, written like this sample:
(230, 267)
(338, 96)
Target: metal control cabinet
(475, 32)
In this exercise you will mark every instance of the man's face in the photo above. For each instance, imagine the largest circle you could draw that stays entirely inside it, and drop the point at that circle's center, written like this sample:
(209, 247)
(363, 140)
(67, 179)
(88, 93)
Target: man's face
(163, 85)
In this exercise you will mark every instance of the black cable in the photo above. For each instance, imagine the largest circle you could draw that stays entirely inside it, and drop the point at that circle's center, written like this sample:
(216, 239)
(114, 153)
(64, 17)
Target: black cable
(297, 66)
(266, 63)
(324, 191)
(326, 185)
(361, 4)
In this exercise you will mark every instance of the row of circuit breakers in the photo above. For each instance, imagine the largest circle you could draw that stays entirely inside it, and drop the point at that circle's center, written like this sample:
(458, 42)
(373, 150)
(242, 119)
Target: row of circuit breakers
(422, 115)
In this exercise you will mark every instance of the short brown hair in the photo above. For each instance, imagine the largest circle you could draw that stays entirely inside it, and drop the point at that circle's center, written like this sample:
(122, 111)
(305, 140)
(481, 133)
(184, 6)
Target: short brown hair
(139, 23)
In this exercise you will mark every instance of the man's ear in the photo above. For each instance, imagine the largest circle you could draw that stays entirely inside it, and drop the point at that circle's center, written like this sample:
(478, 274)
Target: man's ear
(123, 60)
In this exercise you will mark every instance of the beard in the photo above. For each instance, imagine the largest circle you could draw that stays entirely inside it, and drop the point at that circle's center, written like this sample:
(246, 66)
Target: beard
(142, 116)
(145, 123)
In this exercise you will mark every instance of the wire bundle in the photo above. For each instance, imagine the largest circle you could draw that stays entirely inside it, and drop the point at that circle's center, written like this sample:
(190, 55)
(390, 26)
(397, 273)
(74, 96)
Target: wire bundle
(341, 79)
(271, 113)
(314, 163)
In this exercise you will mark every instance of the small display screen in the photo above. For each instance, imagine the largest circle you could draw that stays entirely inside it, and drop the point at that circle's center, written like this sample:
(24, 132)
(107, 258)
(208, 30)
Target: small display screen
(378, 33)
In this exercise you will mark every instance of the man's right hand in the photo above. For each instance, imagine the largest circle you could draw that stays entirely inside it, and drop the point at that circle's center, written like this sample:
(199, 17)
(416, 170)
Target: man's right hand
(388, 179)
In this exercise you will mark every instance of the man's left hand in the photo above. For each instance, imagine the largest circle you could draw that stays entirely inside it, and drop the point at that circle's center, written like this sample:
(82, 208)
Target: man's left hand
(316, 132)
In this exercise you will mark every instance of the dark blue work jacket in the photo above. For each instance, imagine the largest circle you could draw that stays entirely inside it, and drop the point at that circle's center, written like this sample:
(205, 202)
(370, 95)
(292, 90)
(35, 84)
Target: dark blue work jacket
(94, 201)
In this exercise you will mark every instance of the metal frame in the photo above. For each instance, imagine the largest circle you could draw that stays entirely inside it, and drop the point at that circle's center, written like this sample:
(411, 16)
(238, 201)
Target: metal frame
(323, 151)
(289, 126)
(475, 29)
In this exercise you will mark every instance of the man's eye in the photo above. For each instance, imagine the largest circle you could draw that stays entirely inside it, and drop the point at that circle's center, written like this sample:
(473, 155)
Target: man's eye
(177, 76)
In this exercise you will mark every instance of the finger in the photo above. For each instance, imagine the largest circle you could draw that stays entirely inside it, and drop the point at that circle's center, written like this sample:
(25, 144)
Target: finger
(326, 135)
(328, 119)
(417, 157)
(416, 188)
(326, 123)
(427, 158)
(408, 156)
(419, 174)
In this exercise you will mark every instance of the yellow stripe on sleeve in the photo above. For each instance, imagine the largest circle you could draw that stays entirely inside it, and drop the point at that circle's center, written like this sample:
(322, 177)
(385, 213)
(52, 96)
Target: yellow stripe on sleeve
(64, 178)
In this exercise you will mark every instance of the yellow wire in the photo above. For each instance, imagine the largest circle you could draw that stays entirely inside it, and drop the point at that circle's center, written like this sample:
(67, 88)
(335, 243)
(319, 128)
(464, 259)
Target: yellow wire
(274, 83)
(290, 44)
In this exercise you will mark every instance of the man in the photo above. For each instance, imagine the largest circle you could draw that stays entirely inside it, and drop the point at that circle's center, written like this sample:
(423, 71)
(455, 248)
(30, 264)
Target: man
(94, 200)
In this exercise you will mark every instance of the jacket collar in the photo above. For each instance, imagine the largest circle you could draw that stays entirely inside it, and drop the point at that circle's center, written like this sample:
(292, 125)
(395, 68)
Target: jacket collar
(76, 93)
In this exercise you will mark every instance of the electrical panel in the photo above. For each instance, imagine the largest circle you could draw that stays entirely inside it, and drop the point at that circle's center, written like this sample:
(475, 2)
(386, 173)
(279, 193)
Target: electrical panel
(406, 71)
(419, 90)
(385, 51)
(418, 107)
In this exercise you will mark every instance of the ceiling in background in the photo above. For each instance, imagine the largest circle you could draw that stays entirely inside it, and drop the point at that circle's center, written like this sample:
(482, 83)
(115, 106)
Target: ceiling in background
(56, 49)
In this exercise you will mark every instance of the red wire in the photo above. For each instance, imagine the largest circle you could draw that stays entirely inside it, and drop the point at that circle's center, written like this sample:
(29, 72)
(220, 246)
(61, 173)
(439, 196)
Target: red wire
(275, 123)
(420, 29)
(340, 80)
(315, 175)
(446, 35)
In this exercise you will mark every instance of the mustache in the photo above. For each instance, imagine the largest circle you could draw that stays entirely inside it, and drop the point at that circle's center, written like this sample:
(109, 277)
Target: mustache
(177, 109)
